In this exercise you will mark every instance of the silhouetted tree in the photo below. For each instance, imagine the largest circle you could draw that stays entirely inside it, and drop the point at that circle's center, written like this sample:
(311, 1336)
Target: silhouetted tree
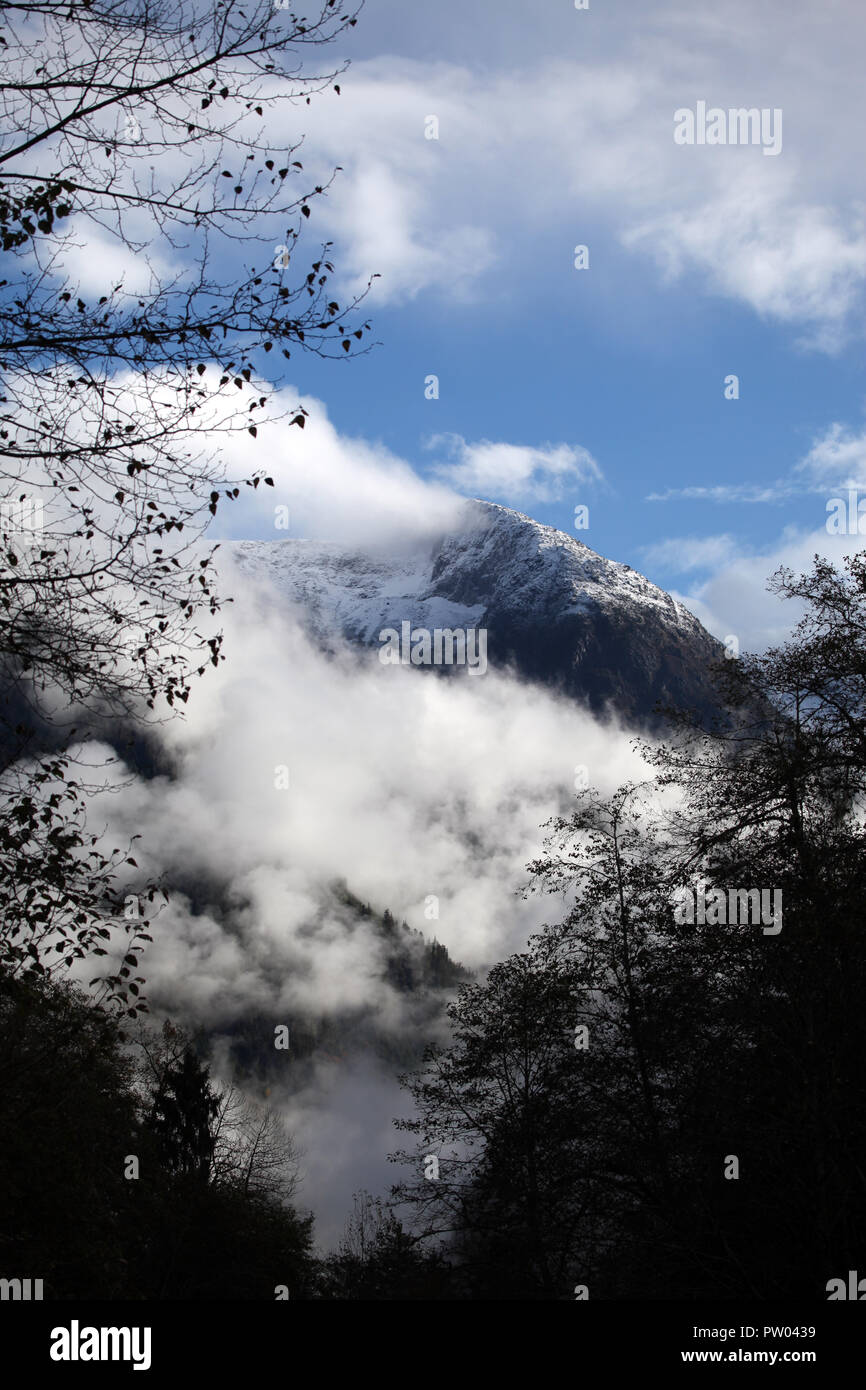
(708, 1139)
(378, 1260)
(136, 130)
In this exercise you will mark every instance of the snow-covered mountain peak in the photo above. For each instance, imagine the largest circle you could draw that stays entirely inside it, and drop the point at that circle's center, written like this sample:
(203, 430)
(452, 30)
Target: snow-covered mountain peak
(553, 608)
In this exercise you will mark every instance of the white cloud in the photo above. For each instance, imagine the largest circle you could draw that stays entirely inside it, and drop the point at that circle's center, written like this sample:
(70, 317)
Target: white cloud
(837, 459)
(725, 492)
(582, 149)
(355, 491)
(683, 553)
(515, 472)
(547, 144)
(336, 487)
(391, 228)
(402, 784)
(734, 599)
(94, 262)
(758, 241)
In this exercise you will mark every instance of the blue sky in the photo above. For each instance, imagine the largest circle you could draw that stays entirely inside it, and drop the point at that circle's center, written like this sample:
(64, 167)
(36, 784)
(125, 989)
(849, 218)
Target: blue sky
(602, 386)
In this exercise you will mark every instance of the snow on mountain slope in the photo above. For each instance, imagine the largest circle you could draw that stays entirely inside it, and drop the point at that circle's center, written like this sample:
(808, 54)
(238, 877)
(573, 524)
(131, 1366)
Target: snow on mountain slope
(553, 608)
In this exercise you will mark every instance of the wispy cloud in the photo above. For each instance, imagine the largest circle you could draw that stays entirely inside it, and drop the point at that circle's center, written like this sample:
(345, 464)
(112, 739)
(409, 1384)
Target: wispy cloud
(784, 236)
(726, 492)
(513, 472)
(396, 785)
(682, 554)
(836, 460)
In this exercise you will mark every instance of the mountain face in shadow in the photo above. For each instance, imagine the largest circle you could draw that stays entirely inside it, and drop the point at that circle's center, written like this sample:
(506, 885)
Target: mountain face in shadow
(415, 968)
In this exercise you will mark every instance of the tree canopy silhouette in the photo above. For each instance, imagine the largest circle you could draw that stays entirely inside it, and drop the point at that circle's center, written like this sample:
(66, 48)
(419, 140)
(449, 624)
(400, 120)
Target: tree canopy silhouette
(154, 285)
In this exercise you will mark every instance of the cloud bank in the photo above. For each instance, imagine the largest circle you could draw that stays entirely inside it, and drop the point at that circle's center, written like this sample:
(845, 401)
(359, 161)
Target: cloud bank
(453, 171)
